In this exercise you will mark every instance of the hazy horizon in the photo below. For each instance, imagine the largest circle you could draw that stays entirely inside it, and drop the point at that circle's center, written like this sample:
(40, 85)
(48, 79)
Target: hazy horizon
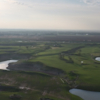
(47, 30)
(81, 15)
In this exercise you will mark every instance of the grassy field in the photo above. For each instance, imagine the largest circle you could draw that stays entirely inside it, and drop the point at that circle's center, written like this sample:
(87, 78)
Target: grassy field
(88, 72)
(59, 55)
(36, 86)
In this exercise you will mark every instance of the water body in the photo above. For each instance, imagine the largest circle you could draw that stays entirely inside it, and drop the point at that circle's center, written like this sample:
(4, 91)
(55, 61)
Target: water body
(4, 64)
(86, 95)
(97, 58)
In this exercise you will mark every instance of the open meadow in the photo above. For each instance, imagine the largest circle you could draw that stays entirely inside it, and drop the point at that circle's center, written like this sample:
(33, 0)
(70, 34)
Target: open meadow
(48, 69)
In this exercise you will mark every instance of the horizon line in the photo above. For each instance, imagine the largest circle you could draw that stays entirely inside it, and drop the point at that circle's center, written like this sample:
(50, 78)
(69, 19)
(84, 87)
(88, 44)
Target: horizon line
(4, 29)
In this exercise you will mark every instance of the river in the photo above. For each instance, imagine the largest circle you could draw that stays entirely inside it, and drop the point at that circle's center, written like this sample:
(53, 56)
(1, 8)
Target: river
(86, 95)
(4, 64)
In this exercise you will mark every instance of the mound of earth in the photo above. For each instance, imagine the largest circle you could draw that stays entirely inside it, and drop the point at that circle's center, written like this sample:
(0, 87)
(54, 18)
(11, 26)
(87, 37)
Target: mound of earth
(36, 67)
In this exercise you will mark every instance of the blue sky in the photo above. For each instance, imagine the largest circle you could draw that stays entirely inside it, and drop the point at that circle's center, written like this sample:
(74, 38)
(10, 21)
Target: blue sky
(50, 14)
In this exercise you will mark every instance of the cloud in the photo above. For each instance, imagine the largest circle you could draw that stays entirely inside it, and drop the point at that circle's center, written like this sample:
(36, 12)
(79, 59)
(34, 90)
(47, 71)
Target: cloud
(43, 5)
(92, 2)
(18, 3)
(11, 1)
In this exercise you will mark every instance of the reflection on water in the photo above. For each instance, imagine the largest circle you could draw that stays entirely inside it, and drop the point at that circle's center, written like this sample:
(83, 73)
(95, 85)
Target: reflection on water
(86, 95)
(97, 58)
(4, 64)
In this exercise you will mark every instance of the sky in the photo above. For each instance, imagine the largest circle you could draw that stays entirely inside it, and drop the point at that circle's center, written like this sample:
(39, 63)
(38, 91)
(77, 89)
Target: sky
(50, 14)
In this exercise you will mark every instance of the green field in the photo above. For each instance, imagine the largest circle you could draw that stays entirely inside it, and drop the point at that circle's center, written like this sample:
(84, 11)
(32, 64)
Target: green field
(63, 56)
